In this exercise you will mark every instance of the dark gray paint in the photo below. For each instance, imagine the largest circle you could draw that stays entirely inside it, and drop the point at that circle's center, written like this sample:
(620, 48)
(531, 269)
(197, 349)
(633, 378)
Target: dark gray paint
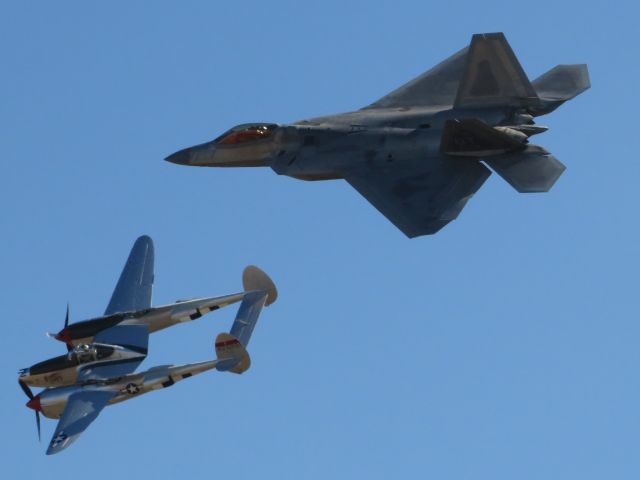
(419, 153)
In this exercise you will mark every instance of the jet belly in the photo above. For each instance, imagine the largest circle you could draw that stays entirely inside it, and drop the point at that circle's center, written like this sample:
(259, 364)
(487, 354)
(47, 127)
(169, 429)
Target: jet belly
(332, 151)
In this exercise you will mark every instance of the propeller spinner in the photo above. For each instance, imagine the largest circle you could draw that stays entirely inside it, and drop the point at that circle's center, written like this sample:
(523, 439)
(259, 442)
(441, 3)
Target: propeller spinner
(33, 403)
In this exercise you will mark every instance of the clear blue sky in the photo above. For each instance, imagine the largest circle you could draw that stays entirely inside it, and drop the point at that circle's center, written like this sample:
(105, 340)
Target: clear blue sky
(504, 347)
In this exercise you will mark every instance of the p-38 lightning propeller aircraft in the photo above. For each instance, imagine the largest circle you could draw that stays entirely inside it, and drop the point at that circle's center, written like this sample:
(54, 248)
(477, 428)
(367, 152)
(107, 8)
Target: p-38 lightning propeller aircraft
(421, 152)
(104, 352)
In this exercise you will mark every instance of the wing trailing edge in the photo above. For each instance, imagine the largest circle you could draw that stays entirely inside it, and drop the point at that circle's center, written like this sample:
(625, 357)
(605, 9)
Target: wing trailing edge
(532, 170)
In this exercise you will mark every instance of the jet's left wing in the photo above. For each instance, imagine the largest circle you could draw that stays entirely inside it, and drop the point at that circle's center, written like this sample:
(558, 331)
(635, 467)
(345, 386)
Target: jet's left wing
(134, 288)
(420, 197)
(134, 338)
(82, 408)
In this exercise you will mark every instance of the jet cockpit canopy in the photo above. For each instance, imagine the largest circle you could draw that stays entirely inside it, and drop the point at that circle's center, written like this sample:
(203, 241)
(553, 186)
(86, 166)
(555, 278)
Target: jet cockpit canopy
(245, 133)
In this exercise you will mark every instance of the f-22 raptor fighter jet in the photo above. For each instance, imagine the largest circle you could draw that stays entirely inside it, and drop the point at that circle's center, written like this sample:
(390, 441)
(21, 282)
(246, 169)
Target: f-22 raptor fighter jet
(419, 153)
(92, 375)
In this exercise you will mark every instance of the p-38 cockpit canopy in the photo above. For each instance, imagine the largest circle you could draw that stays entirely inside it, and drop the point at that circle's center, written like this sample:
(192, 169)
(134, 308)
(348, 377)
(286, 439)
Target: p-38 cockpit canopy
(89, 353)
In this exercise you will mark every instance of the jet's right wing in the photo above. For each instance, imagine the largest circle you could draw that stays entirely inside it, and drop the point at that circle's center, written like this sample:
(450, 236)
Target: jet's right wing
(134, 288)
(82, 408)
(420, 198)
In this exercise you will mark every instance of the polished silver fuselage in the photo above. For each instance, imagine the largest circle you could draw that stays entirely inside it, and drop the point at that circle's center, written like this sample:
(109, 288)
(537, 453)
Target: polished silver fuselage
(54, 400)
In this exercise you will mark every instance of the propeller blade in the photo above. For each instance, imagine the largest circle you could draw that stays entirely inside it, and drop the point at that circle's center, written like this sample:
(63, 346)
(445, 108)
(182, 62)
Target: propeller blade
(38, 424)
(26, 389)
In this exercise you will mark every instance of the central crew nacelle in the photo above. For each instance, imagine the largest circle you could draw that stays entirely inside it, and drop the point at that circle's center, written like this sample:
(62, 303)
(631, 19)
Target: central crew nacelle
(63, 370)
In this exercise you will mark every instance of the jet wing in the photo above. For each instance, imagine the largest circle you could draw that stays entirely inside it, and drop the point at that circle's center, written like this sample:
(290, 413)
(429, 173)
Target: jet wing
(437, 86)
(134, 338)
(82, 408)
(420, 197)
(133, 291)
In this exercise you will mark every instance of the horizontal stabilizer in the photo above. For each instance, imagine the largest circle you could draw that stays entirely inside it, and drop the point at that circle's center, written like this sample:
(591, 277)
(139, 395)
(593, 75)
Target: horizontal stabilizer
(529, 171)
(232, 356)
(493, 76)
(471, 137)
(561, 83)
(247, 316)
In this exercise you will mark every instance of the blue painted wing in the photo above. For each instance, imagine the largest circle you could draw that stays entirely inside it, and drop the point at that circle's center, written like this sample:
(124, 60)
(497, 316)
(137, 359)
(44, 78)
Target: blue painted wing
(130, 336)
(134, 288)
(82, 408)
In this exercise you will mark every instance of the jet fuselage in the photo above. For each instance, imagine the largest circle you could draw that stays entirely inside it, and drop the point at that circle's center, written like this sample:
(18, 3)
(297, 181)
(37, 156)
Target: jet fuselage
(419, 153)
(325, 148)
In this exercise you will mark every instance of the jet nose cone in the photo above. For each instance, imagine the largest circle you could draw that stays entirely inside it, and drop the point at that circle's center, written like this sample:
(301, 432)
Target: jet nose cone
(182, 157)
(34, 404)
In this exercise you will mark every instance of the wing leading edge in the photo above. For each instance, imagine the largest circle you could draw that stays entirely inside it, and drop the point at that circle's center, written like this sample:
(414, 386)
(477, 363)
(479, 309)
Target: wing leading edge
(437, 86)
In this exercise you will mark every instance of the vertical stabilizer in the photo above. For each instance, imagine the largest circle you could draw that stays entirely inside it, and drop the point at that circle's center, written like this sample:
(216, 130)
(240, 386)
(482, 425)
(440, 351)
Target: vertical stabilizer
(493, 76)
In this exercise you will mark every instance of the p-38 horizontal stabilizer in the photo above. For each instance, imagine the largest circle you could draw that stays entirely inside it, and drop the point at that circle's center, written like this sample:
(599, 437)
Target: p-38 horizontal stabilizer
(231, 347)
